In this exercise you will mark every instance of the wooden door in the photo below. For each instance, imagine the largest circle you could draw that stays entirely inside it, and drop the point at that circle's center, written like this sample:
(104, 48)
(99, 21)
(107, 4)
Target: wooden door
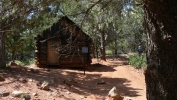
(53, 53)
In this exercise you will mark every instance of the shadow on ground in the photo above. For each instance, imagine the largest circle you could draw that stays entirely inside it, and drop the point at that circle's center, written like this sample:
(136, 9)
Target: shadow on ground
(86, 84)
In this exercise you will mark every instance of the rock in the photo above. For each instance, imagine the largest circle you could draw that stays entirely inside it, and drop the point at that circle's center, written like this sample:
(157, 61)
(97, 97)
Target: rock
(36, 99)
(101, 82)
(34, 70)
(4, 93)
(23, 80)
(38, 83)
(119, 64)
(11, 98)
(82, 97)
(68, 92)
(34, 94)
(1, 78)
(125, 63)
(18, 93)
(25, 96)
(48, 70)
(114, 94)
(45, 86)
(30, 80)
(128, 98)
(70, 81)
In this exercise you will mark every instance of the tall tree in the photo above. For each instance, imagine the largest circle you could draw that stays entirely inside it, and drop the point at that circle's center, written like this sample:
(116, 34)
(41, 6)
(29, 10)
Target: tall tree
(2, 47)
(12, 44)
(97, 12)
(15, 12)
(161, 27)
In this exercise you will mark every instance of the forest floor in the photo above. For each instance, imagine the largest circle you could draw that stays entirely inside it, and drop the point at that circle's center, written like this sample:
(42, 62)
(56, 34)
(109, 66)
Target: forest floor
(113, 72)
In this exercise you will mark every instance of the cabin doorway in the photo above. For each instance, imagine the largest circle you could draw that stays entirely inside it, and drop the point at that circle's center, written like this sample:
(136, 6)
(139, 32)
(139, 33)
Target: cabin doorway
(53, 53)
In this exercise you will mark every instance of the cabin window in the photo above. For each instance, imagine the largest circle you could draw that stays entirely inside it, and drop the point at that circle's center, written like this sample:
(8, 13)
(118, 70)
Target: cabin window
(54, 45)
(84, 49)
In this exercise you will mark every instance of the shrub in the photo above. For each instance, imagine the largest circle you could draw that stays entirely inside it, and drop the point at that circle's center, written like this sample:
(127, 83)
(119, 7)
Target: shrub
(26, 62)
(108, 52)
(137, 61)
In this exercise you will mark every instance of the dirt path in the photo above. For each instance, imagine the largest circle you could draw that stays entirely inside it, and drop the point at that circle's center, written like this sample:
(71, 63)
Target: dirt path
(128, 80)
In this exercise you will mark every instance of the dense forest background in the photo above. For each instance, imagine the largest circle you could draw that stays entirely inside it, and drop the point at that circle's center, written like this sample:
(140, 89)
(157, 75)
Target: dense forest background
(114, 25)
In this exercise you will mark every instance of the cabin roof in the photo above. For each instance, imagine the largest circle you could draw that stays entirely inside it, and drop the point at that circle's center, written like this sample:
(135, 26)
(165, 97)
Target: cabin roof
(64, 28)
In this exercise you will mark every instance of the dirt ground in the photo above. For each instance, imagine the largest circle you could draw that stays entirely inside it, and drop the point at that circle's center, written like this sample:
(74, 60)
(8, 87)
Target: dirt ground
(129, 81)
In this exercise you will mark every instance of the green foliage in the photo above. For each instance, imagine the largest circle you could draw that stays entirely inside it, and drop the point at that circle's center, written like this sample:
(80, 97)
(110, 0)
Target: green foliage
(138, 61)
(18, 19)
(121, 25)
(29, 62)
(26, 62)
(132, 29)
(108, 52)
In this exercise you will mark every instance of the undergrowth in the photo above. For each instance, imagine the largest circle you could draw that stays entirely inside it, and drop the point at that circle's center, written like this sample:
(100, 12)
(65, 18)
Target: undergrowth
(137, 61)
(24, 63)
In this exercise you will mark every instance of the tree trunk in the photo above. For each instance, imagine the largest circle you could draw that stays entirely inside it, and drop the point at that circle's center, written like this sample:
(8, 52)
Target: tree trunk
(115, 46)
(13, 56)
(102, 49)
(2, 50)
(161, 28)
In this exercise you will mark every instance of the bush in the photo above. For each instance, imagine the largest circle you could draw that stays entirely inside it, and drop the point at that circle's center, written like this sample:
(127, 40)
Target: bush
(137, 61)
(108, 52)
(27, 62)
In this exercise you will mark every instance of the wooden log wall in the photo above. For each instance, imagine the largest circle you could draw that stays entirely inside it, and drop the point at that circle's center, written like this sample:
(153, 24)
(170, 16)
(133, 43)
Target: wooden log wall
(41, 53)
(68, 56)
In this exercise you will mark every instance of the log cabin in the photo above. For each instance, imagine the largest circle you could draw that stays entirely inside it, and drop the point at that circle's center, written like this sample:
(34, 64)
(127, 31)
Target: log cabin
(64, 44)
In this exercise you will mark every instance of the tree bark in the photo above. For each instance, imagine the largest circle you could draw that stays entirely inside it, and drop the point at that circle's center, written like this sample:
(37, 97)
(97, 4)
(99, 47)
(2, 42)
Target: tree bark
(13, 56)
(2, 50)
(115, 46)
(161, 28)
(102, 49)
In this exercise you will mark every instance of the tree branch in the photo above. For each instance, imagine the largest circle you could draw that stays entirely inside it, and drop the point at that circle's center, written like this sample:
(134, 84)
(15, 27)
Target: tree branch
(88, 10)
(106, 4)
